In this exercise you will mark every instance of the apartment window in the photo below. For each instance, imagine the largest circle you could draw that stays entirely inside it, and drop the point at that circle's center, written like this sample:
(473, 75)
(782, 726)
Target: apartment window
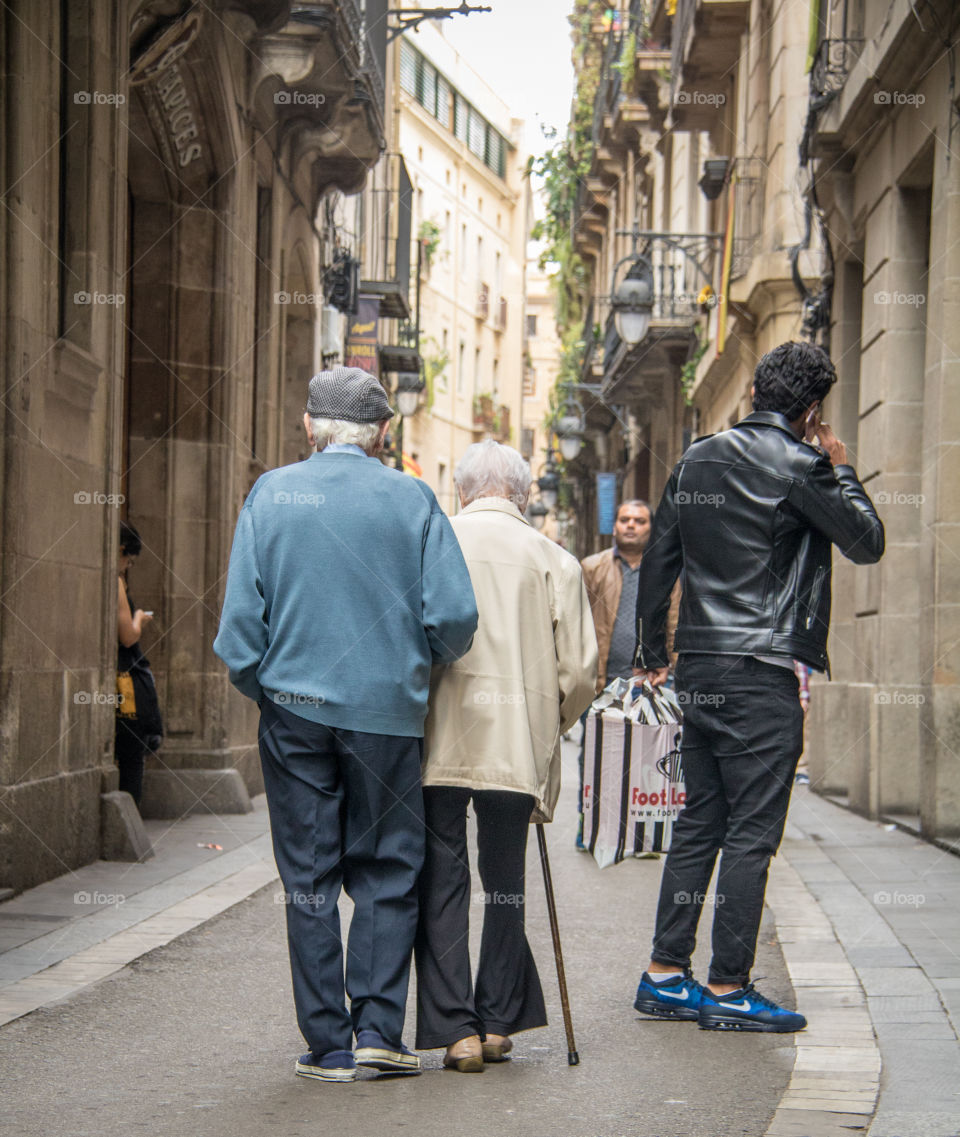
(479, 205)
(443, 102)
(419, 153)
(463, 251)
(462, 368)
(497, 279)
(476, 371)
(531, 324)
(476, 133)
(529, 382)
(480, 258)
(441, 378)
(495, 378)
(420, 79)
(447, 177)
(460, 114)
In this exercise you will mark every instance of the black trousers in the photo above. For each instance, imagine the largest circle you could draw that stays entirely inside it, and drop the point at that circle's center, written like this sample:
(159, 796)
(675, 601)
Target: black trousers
(345, 811)
(742, 739)
(129, 753)
(507, 996)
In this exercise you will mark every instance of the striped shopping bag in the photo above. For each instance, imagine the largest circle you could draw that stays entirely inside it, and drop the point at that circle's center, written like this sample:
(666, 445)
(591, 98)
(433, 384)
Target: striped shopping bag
(632, 775)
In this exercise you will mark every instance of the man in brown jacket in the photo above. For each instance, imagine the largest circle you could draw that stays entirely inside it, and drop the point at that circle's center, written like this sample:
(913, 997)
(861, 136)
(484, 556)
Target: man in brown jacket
(612, 579)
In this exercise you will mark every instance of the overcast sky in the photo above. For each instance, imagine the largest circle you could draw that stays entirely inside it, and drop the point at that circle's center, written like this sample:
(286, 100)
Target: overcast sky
(522, 50)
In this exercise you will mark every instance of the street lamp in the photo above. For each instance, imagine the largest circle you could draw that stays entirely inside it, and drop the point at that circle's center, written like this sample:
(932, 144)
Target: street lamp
(632, 301)
(537, 512)
(409, 386)
(549, 484)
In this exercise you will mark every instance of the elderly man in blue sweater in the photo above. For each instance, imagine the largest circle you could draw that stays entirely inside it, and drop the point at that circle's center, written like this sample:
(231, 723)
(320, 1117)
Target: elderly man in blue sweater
(346, 585)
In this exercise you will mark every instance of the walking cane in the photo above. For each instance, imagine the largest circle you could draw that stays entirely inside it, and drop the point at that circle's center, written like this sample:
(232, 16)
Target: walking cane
(573, 1058)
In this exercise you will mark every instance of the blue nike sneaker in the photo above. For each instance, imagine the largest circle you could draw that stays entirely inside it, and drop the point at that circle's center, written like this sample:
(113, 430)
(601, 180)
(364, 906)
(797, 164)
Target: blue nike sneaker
(747, 1009)
(672, 999)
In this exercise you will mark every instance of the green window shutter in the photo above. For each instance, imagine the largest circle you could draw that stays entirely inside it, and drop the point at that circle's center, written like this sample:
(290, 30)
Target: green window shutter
(408, 68)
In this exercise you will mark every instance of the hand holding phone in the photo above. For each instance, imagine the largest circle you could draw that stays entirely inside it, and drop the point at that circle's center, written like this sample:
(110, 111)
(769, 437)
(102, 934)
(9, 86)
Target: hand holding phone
(812, 424)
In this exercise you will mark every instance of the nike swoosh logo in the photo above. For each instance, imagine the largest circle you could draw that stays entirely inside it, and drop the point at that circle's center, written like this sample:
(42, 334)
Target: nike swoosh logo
(744, 1006)
(685, 994)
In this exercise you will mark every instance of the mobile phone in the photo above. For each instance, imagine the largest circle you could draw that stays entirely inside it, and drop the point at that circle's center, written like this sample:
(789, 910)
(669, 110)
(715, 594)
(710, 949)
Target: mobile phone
(811, 424)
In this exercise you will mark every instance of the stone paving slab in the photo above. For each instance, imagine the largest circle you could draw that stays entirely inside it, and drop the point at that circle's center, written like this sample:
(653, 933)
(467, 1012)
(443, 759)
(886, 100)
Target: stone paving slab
(87, 924)
(897, 916)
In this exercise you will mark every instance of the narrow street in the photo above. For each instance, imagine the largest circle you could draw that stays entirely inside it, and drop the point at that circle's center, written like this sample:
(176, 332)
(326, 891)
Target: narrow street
(199, 1038)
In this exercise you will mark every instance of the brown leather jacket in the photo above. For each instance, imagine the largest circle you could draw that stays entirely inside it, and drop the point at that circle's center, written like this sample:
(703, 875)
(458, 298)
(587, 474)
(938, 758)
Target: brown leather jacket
(604, 581)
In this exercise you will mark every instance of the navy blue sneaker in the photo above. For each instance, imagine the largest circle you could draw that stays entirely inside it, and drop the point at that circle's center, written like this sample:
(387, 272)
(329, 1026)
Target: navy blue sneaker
(672, 999)
(334, 1066)
(375, 1052)
(747, 1009)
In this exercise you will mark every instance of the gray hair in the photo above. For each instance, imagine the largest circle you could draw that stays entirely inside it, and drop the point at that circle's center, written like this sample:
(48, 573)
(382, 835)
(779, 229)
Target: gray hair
(362, 434)
(489, 469)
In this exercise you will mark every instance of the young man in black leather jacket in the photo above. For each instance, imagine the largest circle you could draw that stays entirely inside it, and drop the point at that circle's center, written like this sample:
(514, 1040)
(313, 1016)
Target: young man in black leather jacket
(747, 520)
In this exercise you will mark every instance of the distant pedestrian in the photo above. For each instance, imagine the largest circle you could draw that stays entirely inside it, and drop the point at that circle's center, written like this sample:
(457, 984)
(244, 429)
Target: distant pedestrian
(748, 516)
(139, 726)
(346, 584)
(493, 738)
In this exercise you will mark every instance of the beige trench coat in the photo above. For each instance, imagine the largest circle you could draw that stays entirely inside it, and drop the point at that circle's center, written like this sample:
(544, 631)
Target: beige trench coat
(496, 714)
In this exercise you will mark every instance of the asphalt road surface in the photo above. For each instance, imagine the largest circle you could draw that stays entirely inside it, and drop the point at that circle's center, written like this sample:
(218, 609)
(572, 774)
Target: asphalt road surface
(198, 1039)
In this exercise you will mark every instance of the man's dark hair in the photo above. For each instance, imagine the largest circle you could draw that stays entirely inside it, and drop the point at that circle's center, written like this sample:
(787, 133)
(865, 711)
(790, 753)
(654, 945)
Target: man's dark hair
(791, 377)
(634, 501)
(130, 542)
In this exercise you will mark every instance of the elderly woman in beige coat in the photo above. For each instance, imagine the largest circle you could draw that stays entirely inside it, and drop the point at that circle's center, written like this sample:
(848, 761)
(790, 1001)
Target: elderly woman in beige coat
(493, 737)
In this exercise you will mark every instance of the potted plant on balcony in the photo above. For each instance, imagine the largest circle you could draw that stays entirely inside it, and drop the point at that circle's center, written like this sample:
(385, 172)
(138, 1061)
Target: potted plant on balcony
(483, 411)
(429, 237)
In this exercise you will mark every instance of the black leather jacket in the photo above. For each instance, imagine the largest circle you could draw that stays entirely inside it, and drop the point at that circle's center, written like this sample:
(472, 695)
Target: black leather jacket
(748, 517)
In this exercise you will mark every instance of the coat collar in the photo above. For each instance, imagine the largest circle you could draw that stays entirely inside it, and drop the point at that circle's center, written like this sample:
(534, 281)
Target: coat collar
(769, 418)
(497, 504)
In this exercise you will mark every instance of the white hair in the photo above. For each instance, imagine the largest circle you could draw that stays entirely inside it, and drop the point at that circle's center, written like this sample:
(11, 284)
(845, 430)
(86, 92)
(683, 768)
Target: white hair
(489, 469)
(362, 434)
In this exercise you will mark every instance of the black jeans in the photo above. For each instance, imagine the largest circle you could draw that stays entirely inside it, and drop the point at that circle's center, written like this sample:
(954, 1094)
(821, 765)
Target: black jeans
(507, 996)
(345, 811)
(129, 754)
(742, 739)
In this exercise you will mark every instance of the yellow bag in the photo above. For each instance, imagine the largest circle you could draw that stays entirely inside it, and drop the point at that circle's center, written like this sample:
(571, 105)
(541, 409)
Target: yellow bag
(126, 700)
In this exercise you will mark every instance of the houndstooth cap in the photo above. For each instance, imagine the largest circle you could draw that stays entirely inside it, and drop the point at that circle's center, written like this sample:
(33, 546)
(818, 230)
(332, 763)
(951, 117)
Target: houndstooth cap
(348, 394)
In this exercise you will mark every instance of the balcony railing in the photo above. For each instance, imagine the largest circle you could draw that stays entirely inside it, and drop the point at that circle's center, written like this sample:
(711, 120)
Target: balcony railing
(683, 268)
(500, 314)
(483, 301)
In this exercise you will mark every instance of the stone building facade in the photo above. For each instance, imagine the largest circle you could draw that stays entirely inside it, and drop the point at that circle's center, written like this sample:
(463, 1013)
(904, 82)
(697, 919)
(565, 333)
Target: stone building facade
(834, 141)
(464, 153)
(164, 167)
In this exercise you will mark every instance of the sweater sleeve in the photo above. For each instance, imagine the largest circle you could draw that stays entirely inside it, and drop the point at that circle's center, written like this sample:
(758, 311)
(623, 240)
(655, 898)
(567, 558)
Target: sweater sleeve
(449, 607)
(243, 636)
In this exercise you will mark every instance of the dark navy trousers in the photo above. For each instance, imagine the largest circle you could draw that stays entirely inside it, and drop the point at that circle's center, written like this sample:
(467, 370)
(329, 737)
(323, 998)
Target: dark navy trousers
(346, 810)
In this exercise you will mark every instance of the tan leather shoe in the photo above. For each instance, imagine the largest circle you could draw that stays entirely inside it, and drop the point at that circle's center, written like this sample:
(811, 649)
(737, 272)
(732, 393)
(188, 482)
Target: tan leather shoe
(465, 1056)
(497, 1048)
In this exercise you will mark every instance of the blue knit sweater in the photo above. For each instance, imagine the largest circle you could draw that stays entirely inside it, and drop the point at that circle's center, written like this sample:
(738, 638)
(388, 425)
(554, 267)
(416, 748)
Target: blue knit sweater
(346, 584)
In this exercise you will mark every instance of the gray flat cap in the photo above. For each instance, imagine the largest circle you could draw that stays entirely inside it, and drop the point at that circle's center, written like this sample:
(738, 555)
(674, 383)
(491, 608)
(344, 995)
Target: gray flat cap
(349, 394)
